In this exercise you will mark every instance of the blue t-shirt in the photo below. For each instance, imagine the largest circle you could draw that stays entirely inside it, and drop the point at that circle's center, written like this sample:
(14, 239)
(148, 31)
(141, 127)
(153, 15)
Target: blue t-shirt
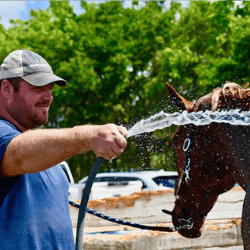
(34, 210)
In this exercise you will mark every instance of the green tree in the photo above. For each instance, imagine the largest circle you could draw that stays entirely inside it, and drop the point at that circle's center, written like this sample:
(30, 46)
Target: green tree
(117, 60)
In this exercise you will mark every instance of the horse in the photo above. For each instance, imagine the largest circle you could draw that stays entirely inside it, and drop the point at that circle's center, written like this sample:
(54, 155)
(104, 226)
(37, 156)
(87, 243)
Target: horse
(211, 159)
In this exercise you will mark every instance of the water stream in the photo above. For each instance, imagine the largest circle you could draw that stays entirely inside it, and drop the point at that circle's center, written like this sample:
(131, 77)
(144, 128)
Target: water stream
(164, 120)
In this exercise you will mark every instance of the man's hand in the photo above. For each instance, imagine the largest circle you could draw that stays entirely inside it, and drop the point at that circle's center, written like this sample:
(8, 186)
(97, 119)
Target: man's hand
(108, 141)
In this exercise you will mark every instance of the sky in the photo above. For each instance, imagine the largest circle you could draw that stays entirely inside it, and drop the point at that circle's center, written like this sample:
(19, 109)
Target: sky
(21, 9)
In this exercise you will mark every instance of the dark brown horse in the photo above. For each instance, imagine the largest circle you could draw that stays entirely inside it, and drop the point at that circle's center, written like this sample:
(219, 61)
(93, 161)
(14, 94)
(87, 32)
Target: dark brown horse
(211, 159)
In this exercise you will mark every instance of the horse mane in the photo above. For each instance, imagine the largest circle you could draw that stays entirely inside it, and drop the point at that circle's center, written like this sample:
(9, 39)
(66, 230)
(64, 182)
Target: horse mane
(230, 96)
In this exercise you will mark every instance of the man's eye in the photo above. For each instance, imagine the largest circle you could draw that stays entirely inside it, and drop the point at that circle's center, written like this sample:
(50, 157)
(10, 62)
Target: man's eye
(38, 89)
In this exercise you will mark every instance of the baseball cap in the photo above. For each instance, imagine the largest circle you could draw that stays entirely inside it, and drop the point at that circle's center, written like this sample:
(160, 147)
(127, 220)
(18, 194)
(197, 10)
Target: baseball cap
(31, 67)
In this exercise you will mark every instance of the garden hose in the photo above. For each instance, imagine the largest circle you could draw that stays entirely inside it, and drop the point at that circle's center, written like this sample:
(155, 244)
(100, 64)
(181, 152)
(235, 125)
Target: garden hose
(85, 197)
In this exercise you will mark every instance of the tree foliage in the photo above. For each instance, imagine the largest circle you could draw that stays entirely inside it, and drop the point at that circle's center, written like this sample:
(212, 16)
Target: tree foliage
(116, 61)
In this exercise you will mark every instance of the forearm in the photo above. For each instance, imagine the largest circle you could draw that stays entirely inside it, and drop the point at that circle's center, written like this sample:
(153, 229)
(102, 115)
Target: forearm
(37, 150)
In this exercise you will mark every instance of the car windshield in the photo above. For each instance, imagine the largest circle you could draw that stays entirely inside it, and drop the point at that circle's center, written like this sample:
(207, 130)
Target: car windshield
(116, 179)
(167, 181)
(161, 180)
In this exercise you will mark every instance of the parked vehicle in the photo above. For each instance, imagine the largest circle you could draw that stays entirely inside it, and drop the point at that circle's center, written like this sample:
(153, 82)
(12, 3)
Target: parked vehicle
(105, 189)
(75, 189)
(124, 183)
(120, 183)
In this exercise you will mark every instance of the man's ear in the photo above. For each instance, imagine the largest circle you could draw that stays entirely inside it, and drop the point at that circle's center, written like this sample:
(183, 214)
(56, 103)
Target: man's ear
(7, 90)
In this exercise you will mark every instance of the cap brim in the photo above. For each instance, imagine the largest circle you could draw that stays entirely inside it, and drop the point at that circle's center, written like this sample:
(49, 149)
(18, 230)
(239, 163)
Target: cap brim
(43, 79)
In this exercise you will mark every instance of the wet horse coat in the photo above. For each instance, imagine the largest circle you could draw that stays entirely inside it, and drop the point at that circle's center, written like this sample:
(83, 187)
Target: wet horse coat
(218, 156)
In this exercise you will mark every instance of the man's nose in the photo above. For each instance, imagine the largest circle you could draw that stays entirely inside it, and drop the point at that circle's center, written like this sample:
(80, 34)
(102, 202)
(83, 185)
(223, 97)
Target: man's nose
(47, 95)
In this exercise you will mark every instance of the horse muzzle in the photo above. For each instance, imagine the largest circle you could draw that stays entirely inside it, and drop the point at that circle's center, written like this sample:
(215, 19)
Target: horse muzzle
(190, 233)
(188, 228)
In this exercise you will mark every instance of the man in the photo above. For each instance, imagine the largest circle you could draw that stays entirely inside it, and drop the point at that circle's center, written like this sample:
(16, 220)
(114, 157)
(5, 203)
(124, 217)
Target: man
(34, 211)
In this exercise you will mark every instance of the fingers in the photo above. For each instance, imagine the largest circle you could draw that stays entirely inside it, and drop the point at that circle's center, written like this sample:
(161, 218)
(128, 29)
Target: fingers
(111, 155)
(122, 130)
(109, 141)
(119, 143)
(121, 140)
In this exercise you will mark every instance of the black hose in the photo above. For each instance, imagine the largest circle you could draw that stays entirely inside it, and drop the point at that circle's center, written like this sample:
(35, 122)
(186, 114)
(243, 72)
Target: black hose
(126, 223)
(85, 198)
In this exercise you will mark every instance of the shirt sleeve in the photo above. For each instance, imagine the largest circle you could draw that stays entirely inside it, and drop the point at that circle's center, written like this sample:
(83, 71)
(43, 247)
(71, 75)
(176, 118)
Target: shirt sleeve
(7, 133)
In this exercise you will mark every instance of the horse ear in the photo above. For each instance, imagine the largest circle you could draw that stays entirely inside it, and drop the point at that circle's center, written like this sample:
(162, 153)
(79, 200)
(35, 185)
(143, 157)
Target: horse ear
(177, 100)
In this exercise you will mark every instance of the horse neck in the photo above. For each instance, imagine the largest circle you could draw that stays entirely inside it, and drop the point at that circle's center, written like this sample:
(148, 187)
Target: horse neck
(236, 140)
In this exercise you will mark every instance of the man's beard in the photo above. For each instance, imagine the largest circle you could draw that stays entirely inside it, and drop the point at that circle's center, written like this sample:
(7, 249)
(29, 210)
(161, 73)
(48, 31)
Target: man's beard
(29, 118)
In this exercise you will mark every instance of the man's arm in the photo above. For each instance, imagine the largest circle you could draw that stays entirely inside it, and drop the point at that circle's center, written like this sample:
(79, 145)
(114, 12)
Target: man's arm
(37, 150)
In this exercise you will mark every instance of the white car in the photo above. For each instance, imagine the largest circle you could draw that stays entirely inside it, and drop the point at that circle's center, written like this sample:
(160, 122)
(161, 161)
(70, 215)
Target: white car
(75, 190)
(124, 183)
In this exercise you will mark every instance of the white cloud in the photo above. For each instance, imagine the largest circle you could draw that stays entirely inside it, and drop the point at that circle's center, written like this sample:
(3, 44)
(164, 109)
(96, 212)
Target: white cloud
(10, 10)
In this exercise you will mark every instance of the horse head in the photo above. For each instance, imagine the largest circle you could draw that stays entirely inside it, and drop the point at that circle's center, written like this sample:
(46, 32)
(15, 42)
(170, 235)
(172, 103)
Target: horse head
(204, 162)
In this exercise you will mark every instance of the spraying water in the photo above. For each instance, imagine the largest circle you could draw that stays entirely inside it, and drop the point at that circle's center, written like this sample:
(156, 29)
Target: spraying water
(163, 120)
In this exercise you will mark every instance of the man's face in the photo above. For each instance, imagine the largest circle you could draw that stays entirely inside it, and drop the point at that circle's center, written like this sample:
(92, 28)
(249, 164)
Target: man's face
(31, 104)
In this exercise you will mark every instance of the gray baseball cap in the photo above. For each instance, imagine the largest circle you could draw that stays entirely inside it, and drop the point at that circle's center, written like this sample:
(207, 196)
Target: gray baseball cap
(31, 67)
